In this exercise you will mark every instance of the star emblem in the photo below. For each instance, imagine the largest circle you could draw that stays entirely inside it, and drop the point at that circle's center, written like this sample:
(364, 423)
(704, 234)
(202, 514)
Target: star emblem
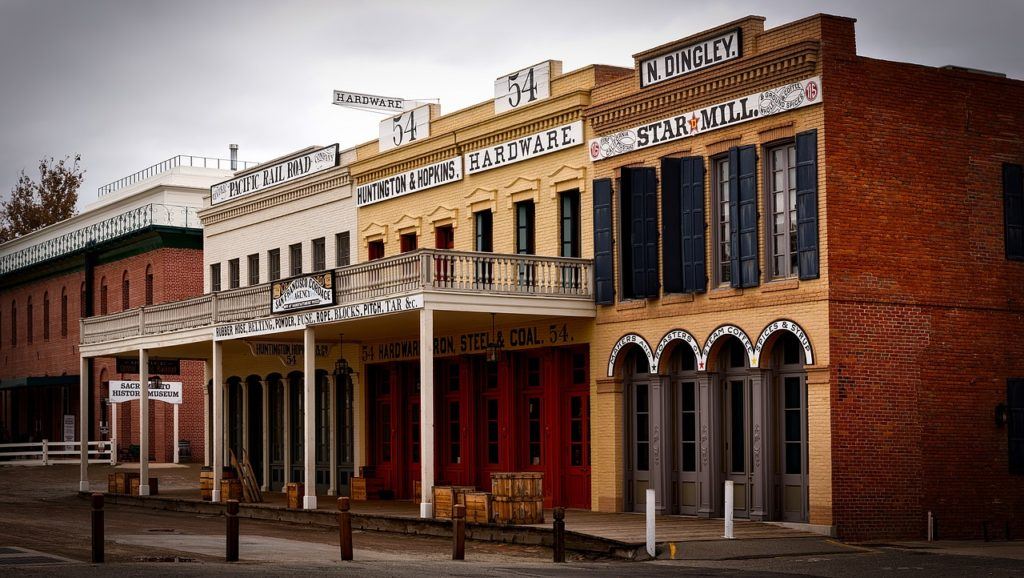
(693, 122)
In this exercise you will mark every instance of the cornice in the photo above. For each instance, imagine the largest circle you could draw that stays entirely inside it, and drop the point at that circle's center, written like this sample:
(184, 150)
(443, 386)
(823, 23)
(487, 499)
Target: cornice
(273, 198)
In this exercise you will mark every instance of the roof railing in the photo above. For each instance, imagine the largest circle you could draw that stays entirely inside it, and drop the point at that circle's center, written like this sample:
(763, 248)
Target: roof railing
(173, 162)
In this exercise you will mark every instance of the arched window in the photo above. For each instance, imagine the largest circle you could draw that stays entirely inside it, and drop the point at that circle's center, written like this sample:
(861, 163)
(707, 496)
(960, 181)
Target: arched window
(124, 291)
(64, 312)
(103, 296)
(149, 284)
(28, 321)
(46, 316)
(14, 323)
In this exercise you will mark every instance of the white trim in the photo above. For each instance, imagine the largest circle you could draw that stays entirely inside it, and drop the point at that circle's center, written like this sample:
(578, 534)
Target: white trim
(626, 340)
(676, 335)
(783, 325)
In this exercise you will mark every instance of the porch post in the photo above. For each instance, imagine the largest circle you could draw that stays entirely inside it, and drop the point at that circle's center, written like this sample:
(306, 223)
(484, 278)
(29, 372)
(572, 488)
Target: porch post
(245, 417)
(708, 437)
(217, 430)
(760, 428)
(426, 412)
(143, 422)
(333, 387)
(287, 385)
(207, 377)
(226, 417)
(83, 419)
(309, 425)
(266, 435)
(114, 435)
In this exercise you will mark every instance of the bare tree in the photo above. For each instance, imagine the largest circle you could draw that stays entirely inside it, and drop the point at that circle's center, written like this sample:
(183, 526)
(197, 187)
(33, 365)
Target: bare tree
(35, 205)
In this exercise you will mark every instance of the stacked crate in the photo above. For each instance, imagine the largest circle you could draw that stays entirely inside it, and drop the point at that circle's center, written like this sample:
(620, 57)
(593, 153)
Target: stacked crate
(445, 498)
(518, 497)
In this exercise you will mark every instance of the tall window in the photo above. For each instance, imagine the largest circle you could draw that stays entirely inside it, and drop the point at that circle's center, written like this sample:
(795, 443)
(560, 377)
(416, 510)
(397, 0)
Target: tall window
(253, 266)
(319, 254)
(342, 249)
(46, 316)
(723, 222)
(28, 321)
(295, 259)
(1013, 210)
(569, 229)
(234, 275)
(274, 264)
(64, 312)
(149, 284)
(525, 227)
(781, 200)
(375, 250)
(14, 323)
(103, 296)
(407, 242)
(125, 292)
(483, 222)
(215, 277)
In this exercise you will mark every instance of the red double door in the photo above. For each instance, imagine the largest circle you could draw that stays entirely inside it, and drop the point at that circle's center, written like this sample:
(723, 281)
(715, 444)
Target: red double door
(530, 411)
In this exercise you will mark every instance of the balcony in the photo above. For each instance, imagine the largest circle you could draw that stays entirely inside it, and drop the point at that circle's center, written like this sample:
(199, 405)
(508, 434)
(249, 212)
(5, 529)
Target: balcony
(426, 271)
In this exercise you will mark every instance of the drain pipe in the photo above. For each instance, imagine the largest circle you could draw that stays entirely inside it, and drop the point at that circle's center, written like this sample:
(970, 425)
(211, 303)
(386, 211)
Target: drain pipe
(650, 522)
(931, 527)
(728, 509)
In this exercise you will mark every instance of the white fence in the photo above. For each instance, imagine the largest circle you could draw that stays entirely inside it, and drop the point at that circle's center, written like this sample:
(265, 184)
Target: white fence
(47, 453)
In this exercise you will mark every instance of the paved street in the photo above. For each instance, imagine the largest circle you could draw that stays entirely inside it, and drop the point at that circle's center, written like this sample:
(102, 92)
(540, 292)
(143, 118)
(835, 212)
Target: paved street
(43, 517)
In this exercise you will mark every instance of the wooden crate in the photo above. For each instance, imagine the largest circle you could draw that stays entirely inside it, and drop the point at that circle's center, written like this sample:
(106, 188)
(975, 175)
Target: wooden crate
(417, 491)
(154, 489)
(231, 489)
(518, 484)
(123, 482)
(295, 492)
(447, 496)
(112, 483)
(478, 506)
(517, 510)
(362, 489)
(206, 483)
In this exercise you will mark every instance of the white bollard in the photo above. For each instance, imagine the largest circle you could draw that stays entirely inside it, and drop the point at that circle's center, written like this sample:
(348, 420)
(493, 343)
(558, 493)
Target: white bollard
(650, 522)
(728, 509)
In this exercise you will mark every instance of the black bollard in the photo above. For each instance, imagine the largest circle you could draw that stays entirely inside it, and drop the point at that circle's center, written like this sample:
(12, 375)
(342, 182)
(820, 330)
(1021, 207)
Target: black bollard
(459, 533)
(345, 528)
(97, 528)
(559, 534)
(232, 516)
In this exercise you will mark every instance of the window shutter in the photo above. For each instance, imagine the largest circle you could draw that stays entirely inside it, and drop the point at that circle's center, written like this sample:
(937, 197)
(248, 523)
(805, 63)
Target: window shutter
(694, 273)
(673, 231)
(807, 204)
(743, 212)
(635, 181)
(604, 278)
(1013, 210)
(651, 283)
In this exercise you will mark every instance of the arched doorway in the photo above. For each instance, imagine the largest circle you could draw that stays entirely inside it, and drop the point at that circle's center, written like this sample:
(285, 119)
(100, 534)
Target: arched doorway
(637, 388)
(683, 385)
(735, 444)
(254, 425)
(789, 385)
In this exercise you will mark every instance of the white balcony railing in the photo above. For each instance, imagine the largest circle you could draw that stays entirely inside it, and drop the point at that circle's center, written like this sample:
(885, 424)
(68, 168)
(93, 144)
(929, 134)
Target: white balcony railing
(422, 270)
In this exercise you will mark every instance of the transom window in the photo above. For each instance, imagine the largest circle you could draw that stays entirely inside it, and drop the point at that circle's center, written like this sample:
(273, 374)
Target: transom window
(781, 199)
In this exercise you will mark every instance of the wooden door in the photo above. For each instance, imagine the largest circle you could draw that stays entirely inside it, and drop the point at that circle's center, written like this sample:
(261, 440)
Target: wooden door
(444, 238)
(576, 455)
(736, 425)
(492, 428)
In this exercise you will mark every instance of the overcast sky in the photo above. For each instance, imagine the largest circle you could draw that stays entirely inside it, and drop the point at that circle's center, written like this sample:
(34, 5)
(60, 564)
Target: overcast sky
(128, 84)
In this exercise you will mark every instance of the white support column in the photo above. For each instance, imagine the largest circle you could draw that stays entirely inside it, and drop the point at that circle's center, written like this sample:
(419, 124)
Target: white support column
(218, 396)
(287, 432)
(226, 415)
(265, 389)
(83, 421)
(143, 422)
(177, 457)
(426, 412)
(113, 431)
(309, 421)
(245, 418)
(207, 448)
(333, 385)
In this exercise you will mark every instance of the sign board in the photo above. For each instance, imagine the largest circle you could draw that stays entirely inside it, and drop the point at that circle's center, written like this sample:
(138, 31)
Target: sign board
(305, 292)
(437, 174)
(770, 102)
(165, 391)
(389, 104)
(265, 177)
(691, 58)
(288, 352)
(156, 366)
(506, 338)
(524, 87)
(69, 428)
(301, 320)
(410, 126)
(525, 148)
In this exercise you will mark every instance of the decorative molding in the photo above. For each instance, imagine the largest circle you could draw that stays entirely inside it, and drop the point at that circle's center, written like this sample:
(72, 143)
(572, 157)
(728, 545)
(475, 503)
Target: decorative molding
(481, 200)
(374, 232)
(567, 178)
(704, 446)
(260, 202)
(522, 189)
(757, 446)
(442, 216)
(407, 224)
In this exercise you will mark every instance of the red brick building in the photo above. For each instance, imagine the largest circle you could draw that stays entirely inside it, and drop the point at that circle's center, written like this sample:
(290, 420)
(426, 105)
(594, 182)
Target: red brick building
(140, 244)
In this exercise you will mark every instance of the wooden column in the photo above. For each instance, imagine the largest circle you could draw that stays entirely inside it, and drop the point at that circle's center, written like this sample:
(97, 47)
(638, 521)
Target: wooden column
(143, 422)
(83, 423)
(309, 423)
(426, 411)
(217, 430)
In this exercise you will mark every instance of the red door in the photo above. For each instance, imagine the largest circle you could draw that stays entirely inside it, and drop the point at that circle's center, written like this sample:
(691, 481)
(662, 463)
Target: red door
(444, 238)
(576, 450)
(413, 440)
(492, 429)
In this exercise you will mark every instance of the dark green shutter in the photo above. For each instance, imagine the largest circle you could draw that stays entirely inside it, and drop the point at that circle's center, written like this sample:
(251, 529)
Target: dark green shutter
(1013, 210)
(743, 214)
(650, 239)
(807, 204)
(691, 179)
(634, 180)
(672, 229)
(604, 275)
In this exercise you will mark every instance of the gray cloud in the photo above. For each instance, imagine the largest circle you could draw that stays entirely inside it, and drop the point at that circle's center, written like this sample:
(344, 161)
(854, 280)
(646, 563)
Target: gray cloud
(128, 84)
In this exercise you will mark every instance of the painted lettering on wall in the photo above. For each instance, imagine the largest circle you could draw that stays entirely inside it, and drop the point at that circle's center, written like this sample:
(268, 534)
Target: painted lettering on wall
(527, 147)
(770, 102)
(472, 342)
(784, 325)
(302, 320)
(690, 58)
(282, 172)
(440, 173)
(631, 338)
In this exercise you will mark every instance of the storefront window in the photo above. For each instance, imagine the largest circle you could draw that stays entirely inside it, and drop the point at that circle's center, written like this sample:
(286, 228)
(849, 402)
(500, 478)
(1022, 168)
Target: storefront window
(454, 429)
(492, 432)
(533, 416)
